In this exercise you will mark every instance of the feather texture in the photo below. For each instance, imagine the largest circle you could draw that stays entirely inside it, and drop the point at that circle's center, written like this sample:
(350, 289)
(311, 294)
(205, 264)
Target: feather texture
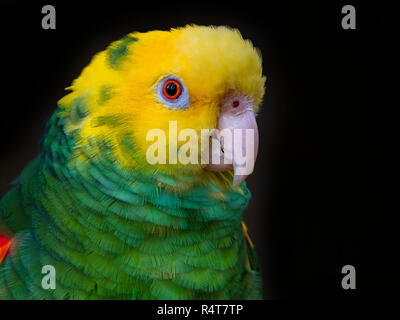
(113, 226)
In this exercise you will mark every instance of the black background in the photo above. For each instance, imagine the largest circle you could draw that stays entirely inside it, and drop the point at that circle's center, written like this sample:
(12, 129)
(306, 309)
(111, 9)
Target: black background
(325, 187)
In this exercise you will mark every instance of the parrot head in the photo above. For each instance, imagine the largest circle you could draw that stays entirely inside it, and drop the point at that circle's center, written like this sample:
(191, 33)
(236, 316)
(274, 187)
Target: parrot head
(176, 83)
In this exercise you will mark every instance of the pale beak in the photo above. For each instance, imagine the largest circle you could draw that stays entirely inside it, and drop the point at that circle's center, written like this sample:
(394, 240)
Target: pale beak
(235, 144)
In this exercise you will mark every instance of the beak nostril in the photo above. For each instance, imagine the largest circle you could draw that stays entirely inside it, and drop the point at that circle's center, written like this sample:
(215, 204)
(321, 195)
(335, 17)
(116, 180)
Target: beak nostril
(235, 104)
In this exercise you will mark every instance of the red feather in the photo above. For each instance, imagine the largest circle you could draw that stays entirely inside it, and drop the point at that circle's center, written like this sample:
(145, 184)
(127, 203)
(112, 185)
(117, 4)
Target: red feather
(4, 246)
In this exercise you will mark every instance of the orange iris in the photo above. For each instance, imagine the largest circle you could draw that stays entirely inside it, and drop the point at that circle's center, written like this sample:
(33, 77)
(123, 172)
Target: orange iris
(172, 89)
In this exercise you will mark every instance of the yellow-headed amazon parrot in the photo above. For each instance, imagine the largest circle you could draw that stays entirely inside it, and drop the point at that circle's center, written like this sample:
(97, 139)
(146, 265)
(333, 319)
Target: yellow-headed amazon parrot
(114, 225)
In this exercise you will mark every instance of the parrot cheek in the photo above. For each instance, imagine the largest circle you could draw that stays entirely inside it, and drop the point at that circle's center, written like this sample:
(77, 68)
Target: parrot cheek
(238, 137)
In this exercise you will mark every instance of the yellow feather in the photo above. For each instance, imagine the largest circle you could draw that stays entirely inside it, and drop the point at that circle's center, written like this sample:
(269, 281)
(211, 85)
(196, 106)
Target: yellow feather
(211, 62)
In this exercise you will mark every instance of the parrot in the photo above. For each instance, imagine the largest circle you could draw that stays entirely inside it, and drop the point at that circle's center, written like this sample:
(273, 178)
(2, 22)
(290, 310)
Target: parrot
(91, 218)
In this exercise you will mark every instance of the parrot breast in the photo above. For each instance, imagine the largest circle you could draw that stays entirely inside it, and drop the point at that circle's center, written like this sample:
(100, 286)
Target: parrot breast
(114, 233)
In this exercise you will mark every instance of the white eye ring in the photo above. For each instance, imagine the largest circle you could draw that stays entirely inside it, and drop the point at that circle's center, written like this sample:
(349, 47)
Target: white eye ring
(182, 102)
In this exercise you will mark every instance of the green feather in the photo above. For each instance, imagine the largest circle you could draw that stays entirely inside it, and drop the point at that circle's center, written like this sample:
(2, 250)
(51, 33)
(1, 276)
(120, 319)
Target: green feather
(114, 233)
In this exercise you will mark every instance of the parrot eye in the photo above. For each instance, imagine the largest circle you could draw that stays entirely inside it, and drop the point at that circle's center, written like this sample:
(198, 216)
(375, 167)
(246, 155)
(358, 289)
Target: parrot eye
(172, 92)
(172, 89)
